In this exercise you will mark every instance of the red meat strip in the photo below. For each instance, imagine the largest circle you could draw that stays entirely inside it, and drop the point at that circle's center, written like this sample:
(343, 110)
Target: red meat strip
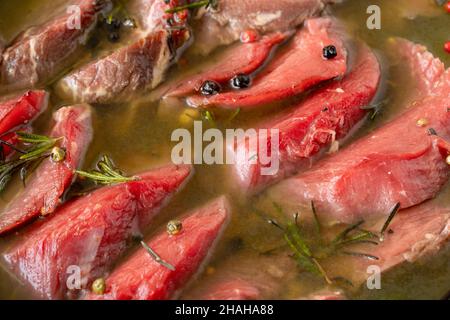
(91, 232)
(327, 115)
(142, 278)
(45, 188)
(403, 161)
(21, 110)
(232, 17)
(42, 52)
(301, 67)
(242, 59)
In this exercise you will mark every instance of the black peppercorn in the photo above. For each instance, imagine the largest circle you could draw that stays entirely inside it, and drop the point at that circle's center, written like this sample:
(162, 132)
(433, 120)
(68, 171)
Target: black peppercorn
(329, 52)
(113, 36)
(210, 88)
(240, 81)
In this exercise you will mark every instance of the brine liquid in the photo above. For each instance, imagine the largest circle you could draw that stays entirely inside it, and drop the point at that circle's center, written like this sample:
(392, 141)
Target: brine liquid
(137, 136)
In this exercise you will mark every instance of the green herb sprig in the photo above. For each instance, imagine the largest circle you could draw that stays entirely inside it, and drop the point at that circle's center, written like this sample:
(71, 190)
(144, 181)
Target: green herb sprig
(40, 148)
(302, 251)
(308, 257)
(106, 173)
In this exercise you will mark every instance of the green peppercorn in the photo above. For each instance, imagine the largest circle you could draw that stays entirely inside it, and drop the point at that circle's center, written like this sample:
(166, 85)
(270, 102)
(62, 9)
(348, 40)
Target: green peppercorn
(174, 227)
(58, 154)
(99, 286)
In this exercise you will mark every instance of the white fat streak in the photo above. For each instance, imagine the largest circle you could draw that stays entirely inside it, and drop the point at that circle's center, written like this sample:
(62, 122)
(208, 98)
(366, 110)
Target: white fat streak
(430, 244)
(33, 58)
(161, 65)
(263, 18)
(91, 247)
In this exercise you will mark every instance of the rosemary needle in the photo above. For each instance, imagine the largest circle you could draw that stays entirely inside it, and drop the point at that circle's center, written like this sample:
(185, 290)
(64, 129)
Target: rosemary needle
(316, 218)
(156, 257)
(389, 220)
(194, 5)
(40, 149)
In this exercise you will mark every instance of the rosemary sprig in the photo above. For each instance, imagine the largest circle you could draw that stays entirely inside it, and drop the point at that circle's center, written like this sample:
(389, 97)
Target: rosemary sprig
(33, 138)
(297, 242)
(302, 252)
(308, 257)
(195, 5)
(156, 257)
(106, 173)
(40, 149)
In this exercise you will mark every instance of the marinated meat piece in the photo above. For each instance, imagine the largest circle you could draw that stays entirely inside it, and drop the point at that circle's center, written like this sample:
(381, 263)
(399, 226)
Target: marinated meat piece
(415, 234)
(402, 162)
(326, 116)
(42, 52)
(135, 68)
(17, 114)
(116, 77)
(142, 278)
(242, 59)
(426, 70)
(48, 183)
(225, 25)
(300, 67)
(21, 110)
(89, 233)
